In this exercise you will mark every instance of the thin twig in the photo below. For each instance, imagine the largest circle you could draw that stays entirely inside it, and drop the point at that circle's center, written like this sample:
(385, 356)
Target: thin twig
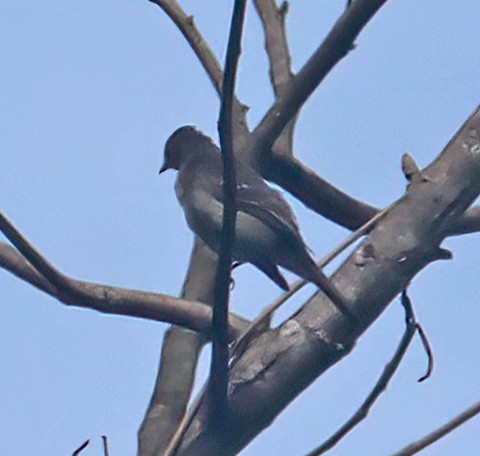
(381, 384)
(219, 363)
(177, 437)
(428, 350)
(442, 431)
(105, 445)
(81, 448)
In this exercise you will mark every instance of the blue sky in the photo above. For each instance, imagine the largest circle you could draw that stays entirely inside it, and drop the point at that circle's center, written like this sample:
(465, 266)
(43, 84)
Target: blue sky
(89, 93)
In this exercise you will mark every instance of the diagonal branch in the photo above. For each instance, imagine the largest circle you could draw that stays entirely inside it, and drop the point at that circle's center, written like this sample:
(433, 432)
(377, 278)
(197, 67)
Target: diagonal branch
(207, 59)
(442, 431)
(382, 383)
(282, 168)
(189, 30)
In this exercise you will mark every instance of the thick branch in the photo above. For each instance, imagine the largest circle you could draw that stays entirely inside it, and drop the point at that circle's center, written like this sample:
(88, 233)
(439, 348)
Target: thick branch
(316, 193)
(178, 361)
(279, 364)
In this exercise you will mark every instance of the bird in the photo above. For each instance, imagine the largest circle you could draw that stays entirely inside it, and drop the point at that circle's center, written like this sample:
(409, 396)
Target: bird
(267, 234)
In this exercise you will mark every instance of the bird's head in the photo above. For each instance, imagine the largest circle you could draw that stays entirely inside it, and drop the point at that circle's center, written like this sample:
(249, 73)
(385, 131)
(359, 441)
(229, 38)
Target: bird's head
(184, 144)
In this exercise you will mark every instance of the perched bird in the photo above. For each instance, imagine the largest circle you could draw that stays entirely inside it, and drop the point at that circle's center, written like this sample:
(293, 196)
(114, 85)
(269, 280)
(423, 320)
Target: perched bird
(266, 232)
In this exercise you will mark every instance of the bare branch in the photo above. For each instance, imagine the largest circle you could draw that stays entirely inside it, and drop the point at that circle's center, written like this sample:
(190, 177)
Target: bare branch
(105, 445)
(283, 169)
(278, 364)
(203, 51)
(273, 22)
(120, 301)
(276, 45)
(335, 46)
(316, 193)
(380, 386)
(209, 62)
(176, 374)
(81, 448)
(440, 432)
(468, 223)
(178, 360)
(219, 364)
(428, 350)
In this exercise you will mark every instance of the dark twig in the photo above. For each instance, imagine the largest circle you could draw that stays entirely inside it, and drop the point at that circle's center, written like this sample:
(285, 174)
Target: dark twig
(81, 448)
(381, 384)
(428, 350)
(106, 299)
(105, 445)
(442, 431)
(219, 364)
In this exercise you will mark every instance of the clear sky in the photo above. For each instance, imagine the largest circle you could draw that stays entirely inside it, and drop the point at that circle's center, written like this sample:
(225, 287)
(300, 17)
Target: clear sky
(89, 92)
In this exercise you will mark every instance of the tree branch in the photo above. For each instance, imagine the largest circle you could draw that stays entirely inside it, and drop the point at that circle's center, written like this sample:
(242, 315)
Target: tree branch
(335, 46)
(119, 301)
(442, 431)
(186, 25)
(278, 364)
(284, 169)
(276, 45)
(380, 386)
(209, 62)
(178, 360)
(219, 365)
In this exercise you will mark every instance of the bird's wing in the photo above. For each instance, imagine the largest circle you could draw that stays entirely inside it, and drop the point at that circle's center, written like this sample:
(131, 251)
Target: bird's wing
(257, 199)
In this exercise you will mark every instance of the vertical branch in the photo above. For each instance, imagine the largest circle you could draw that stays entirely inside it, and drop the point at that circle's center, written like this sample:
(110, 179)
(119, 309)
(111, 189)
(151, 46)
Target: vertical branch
(273, 19)
(219, 364)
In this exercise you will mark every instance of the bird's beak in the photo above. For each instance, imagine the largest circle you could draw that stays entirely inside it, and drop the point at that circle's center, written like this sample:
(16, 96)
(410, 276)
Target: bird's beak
(163, 168)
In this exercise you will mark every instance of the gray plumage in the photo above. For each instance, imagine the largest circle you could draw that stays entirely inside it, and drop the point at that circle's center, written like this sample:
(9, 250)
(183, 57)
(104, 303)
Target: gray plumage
(266, 232)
